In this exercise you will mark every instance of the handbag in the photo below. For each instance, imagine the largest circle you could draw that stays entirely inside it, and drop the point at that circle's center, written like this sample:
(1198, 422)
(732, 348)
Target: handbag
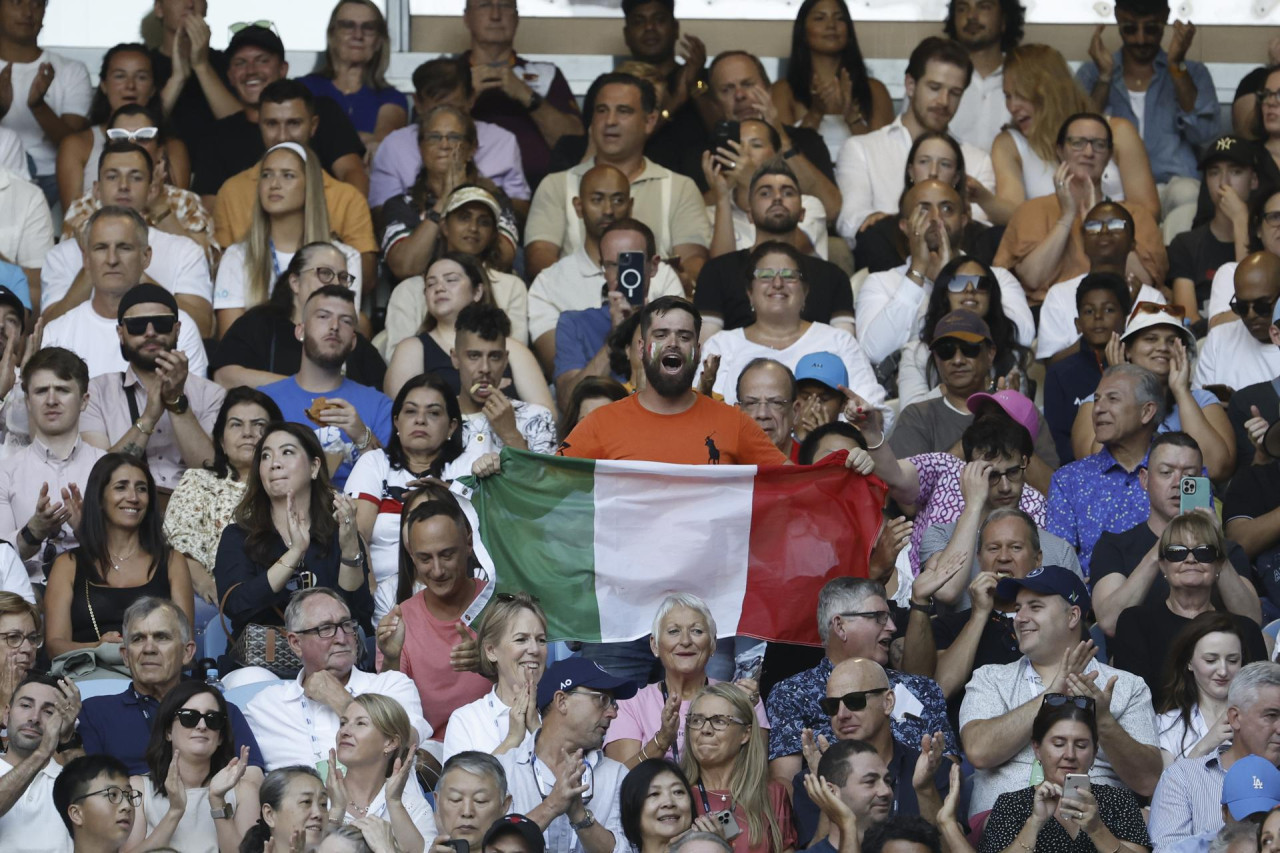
(103, 661)
(266, 646)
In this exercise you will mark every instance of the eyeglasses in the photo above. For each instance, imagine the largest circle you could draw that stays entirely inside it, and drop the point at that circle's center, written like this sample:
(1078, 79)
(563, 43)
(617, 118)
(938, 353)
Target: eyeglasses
(369, 28)
(434, 138)
(1057, 700)
(1157, 308)
(117, 134)
(1014, 474)
(1261, 307)
(774, 404)
(190, 718)
(784, 273)
(1272, 218)
(1079, 143)
(328, 630)
(1268, 96)
(162, 323)
(719, 722)
(1202, 553)
(946, 348)
(960, 282)
(244, 25)
(328, 275)
(114, 795)
(15, 639)
(855, 701)
(602, 700)
(1107, 226)
(881, 617)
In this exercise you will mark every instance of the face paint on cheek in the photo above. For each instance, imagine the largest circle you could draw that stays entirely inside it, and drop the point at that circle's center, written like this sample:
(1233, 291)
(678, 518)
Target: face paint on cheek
(655, 349)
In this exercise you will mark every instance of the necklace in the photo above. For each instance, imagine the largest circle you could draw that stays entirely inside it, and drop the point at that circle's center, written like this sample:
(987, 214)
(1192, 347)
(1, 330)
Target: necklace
(117, 560)
(358, 811)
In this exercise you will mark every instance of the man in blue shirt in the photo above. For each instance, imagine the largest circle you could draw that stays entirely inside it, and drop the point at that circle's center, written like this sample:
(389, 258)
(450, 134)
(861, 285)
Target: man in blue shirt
(1103, 491)
(350, 418)
(157, 646)
(1172, 102)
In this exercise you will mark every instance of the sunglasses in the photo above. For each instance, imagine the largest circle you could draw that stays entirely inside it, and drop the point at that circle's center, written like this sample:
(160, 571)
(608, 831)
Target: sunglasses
(244, 25)
(1157, 308)
(1057, 700)
(162, 323)
(119, 134)
(945, 349)
(1261, 307)
(855, 701)
(960, 282)
(1202, 553)
(1098, 226)
(190, 718)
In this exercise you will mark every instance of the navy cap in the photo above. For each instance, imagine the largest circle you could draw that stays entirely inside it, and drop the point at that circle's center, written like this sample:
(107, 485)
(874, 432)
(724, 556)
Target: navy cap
(1048, 580)
(579, 672)
(516, 824)
(255, 36)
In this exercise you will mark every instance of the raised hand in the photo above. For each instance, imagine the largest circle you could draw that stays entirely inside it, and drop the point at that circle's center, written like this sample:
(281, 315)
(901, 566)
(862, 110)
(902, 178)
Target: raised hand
(336, 787)
(569, 785)
(863, 415)
(299, 530)
(501, 415)
(1100, 54)
(715, 177)
(1114, 350)
(1180, 369)
(465, 656)
(930, 580)
(344, 512)
(230, 775)
(1257, 427)
(377, 833)
(894, 536)
(390, 634)
(929, 761)
(1086, 684)
(400, 771)
(975, 482)
(826, 797)
(174, 787)
(812, 749)
(670, 723)
(1183, 34)
(710, 369)
(40, 85)
(982, 592)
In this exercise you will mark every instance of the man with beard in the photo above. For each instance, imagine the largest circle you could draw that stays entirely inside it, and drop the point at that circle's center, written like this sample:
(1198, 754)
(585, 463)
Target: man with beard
(773, 200)
(1239, 354)
(987, 29)
(318, 393)
(155, 409)
(34, 718)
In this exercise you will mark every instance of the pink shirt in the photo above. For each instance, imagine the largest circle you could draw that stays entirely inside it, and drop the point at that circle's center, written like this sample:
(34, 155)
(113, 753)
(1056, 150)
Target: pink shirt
(640, 717)
(425, 659)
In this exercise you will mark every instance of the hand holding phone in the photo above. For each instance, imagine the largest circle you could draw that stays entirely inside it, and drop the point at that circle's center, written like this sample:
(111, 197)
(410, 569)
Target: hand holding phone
(631, 275)
(1194, 493)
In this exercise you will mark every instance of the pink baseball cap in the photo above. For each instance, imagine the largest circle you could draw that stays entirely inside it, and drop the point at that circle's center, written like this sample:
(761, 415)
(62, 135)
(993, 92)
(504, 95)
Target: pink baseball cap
(1015, 405)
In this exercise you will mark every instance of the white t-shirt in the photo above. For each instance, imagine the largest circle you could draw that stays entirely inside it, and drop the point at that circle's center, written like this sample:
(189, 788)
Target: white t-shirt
(814, 225)
(93, 337)
(13, 155)
(1222, 289)
(1058, 315)
(26, 228)
(70, 93)
(33, 824)
(1138, 103)
(373, 479)
(1231, 356)
(228, 290)
(177, 264)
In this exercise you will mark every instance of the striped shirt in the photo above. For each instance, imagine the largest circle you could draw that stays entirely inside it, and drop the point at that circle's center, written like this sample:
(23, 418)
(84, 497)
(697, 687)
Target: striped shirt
(1188, 799)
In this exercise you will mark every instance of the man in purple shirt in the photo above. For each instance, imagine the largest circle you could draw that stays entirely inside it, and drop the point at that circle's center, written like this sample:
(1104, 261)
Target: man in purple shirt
(398, 159)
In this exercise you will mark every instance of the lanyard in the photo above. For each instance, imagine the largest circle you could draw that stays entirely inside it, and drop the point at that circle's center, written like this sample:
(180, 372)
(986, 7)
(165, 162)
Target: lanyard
(706, 804)
(275, 262)
(675, 744)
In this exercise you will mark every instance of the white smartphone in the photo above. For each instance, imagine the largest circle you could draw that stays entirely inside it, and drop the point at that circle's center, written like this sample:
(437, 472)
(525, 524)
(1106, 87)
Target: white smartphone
(1076, 784)
(728, 823)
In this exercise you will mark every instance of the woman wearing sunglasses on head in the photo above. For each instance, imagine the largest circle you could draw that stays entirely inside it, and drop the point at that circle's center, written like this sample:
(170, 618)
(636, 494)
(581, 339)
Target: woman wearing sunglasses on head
(199, 795)
(1049, 817)
(1191, 556)
(1155, 339)
(964, 283)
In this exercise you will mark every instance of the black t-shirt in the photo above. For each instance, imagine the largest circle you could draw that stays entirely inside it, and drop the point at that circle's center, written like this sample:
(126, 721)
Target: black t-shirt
(1254, 492)
(1239, 409)
(263, 339)
(808, 142)
(192, 119)
(237, 144)
(1120, 553)
(997, 644)
(722, 289)
(1197, 254)
(882, 246)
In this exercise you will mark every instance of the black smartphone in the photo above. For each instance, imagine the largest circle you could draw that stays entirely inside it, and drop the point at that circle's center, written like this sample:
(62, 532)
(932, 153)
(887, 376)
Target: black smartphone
(631, 276)
(460, 845)
(723, 133)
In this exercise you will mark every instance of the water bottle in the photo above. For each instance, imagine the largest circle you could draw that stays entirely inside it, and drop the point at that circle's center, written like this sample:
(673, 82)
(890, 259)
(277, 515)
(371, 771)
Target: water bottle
(211, 678)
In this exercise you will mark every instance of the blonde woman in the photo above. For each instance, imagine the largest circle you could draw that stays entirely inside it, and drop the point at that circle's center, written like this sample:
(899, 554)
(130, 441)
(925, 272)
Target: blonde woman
(290, 213)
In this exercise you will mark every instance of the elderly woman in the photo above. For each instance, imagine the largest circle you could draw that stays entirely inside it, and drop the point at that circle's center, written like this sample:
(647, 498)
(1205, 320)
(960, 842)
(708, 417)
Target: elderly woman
(292, 813)
(1192, 554)
(651, 724)
(1047, 818)
(20, 626)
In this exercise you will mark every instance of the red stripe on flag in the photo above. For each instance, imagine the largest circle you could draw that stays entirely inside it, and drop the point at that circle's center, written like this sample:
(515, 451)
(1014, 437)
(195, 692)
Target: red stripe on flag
(809, 524)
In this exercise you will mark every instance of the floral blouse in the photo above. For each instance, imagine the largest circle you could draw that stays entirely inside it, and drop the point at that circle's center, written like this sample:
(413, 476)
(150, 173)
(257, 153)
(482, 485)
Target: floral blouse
(199, 510)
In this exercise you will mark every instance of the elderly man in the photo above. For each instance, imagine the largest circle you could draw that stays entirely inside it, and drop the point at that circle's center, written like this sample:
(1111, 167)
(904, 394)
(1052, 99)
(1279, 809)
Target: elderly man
(853, 622)
(578, 700)
(34, 719)
(297, 722)
(1103, 491)
(1239, 354)
(157, 648)
(767, 392)
(1002, 700)
(471, 794)
(1187, 802)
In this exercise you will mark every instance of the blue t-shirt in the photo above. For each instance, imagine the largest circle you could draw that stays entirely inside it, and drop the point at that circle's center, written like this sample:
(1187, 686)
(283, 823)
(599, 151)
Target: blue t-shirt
(374, 408)
(579, 336)
(361, 106)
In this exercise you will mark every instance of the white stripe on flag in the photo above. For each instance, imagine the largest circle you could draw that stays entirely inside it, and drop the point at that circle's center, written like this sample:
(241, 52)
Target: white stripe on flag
(661, 529)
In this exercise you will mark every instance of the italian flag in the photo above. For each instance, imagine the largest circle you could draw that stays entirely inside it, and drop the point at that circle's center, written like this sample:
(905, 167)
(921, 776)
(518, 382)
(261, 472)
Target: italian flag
(601, 543)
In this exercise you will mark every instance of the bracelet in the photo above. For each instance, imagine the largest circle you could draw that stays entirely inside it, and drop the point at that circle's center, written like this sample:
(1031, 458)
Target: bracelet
(644, 756)
(879, 445)
(365, 440)
(1106, 80)
(926, 609)
(138, 425)
(358, 560)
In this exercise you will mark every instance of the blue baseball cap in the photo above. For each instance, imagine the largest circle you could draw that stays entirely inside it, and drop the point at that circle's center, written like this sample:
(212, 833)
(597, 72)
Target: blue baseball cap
(1252, 785)
(579, 672)
(1048, 580)
(825, 367)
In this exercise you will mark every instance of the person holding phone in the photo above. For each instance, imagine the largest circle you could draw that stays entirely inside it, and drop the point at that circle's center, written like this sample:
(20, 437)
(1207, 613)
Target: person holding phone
(1192, 559)
(657, 807)
(1049, 817)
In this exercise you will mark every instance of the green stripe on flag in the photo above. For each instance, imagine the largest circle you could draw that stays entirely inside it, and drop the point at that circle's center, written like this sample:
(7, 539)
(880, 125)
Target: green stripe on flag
(537, 518)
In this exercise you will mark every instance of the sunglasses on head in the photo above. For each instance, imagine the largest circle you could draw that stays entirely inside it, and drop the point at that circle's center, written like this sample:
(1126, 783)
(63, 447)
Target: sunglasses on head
(855, 701)
(1202, 553)
(1056, 700)
(162, 323)
(1156, 308)
(960, 282)
(119, 134)
(190, 718)
(945, 349)
(1261, 307)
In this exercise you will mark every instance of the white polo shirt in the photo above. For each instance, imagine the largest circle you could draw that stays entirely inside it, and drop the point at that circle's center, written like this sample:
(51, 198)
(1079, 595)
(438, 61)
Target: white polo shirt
(33, 824)
(177, 264)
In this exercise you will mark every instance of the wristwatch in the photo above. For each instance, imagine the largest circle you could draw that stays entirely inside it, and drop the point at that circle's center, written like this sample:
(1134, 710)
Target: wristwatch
(923, 608)
(790, 152)
(178, 406)
(227, 811)
(535, 101)
(29, 537)
(586, 823)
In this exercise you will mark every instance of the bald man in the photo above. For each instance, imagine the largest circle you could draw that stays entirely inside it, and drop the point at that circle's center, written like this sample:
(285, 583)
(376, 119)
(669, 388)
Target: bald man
(767, 393)
(892, 303)
(1244, 352)
(575, 282)
(864, 707)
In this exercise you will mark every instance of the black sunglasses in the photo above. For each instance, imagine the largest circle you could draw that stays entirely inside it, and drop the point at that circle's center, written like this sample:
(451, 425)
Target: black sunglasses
(190, 718)
(961, 281)
(1057, 700)
(1261, 307)
(163, 324)
(855, 701)
(945, 349)
(1202, 553)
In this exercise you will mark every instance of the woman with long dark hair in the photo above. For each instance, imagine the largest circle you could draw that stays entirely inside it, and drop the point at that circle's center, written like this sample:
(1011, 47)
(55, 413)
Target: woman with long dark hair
(827, 87)
(122, 556)
(193, 772)
(655, 802)
(292, 814)
(426, 436)
(291, 532)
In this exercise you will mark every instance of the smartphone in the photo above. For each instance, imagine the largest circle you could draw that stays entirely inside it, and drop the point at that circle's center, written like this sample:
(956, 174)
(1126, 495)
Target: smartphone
(724, 132)
(727, 822)
(460, 845)
(1194, 493)
(1076, 784)
(631, 276)
(750, 664)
